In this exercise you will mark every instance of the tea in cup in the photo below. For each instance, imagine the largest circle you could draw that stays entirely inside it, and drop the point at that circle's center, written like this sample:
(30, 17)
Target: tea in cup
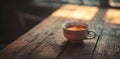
(77, 32)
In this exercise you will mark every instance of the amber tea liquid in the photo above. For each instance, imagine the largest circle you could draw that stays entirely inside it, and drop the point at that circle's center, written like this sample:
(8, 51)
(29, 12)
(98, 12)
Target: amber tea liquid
(76, 27)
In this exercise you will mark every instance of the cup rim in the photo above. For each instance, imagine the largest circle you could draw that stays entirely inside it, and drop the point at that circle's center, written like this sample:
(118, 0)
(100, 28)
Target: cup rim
(66, 24)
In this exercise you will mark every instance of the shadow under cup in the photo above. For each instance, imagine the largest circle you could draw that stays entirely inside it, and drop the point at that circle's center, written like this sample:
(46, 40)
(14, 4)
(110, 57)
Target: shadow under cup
(76, 32)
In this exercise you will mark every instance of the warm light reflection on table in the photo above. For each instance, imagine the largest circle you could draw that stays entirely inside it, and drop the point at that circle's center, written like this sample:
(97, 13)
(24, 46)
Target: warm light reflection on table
(76, 12)
(113, 16)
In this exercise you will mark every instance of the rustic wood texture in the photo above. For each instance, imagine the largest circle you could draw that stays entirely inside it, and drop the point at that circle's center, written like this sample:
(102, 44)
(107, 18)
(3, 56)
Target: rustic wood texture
(108, 46)
(31, 40)
(46, 40)
(57, 36)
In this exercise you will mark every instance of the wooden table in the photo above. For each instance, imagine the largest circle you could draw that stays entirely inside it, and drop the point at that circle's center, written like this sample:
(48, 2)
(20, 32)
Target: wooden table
(46, 40)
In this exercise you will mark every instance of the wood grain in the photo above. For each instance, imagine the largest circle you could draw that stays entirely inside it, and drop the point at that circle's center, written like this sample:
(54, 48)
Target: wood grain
(52, 52)
(33, 36)
(108, 46)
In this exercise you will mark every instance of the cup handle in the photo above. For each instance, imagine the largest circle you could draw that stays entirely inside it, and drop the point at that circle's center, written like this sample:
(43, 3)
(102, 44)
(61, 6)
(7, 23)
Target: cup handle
(89, 36)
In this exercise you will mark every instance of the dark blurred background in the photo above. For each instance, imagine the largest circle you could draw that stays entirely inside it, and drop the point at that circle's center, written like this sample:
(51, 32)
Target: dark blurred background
(17, 17)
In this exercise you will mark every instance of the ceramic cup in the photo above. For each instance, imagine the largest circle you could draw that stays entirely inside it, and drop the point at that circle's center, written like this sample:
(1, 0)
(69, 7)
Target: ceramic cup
(77, 32)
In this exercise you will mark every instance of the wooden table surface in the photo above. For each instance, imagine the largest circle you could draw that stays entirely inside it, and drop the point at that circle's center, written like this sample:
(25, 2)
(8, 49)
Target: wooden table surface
(46, 40)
